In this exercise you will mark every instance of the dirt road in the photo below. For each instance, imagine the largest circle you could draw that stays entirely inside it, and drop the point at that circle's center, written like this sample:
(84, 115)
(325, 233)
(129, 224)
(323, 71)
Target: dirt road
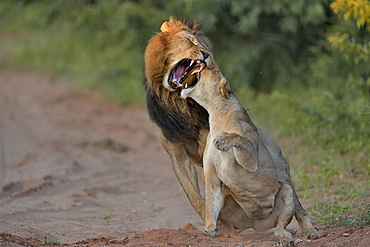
(78, 170)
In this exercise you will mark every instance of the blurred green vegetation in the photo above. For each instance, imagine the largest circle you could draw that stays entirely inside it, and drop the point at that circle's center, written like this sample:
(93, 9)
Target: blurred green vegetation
(301, 67)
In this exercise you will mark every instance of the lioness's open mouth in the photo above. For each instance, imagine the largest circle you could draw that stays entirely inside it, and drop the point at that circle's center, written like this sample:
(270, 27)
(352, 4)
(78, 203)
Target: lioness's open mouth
(182, 70)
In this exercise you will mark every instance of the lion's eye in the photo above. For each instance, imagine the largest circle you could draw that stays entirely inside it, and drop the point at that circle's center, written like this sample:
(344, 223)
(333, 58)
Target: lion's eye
(192, 41)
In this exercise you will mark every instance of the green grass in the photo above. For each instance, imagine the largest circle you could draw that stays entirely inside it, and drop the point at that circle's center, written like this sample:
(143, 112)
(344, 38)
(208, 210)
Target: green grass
(104, 70)
(49, 242)
(107, 217)
(97, 54)
(325, 140)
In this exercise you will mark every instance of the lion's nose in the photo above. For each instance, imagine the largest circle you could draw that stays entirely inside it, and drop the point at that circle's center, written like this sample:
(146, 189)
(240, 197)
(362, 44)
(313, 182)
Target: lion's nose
(205, 54)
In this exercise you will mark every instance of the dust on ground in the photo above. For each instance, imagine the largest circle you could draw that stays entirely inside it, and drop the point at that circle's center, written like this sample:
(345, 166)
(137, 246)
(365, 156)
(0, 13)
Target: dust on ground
(80, 171)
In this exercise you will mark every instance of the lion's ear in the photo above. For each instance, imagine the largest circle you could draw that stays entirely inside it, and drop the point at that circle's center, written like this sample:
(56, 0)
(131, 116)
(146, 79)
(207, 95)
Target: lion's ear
(166, 26)
(225, 88)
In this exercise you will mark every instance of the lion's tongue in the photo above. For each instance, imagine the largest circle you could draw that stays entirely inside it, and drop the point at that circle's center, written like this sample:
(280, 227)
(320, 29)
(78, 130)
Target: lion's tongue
(180, 71)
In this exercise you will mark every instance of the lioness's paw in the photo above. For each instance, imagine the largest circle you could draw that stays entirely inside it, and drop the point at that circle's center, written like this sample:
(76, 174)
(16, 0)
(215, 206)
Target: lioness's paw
(306, 233)
(223, 142)
(211, 231)
(280, 232)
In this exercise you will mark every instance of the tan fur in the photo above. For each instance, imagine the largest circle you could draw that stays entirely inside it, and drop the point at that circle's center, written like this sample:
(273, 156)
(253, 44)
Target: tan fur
(243, 182)
(225, 89)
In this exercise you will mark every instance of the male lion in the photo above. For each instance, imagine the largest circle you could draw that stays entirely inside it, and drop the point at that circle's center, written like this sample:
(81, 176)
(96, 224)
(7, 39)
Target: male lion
(171, 57)
(240, 161)
(183, 124)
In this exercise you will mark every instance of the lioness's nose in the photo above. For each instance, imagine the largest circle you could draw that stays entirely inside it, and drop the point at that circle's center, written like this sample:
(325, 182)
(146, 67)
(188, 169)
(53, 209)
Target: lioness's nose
(205, 54)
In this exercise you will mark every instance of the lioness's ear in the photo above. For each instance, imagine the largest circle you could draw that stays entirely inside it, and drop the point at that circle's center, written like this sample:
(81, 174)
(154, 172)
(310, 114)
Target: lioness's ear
(166, 26)
(225, 88)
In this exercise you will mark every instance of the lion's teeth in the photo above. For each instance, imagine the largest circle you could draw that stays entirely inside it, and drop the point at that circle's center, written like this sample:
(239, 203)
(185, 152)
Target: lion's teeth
(186, 85)
(191, 63)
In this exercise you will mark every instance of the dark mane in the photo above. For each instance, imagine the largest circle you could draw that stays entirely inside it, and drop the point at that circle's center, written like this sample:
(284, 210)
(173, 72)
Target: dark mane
(176, 125)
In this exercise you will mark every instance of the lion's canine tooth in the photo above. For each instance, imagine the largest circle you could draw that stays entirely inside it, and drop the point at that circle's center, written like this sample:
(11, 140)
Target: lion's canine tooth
(186, 85)
(191, 63)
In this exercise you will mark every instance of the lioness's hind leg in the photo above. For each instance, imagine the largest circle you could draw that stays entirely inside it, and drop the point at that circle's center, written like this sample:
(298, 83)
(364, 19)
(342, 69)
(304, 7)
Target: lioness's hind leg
(245, 151)
(303, 218)
(285, 201)
(304, 222)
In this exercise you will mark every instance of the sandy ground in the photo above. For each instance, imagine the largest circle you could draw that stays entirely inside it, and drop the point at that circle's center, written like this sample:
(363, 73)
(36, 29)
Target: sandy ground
(78, 170)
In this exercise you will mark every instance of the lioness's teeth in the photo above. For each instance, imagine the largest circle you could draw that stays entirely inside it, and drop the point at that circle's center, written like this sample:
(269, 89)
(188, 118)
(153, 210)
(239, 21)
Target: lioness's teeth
(186, 85)
(191, 63)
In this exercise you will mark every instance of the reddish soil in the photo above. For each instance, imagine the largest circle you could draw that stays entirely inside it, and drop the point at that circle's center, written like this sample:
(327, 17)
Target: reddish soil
(78, 170)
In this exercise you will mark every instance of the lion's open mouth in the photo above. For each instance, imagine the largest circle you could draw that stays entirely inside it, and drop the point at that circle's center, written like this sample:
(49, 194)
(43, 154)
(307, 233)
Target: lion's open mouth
(180, 73)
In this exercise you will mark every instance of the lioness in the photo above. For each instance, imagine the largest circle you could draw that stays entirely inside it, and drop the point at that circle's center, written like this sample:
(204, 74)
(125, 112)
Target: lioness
(241, 158)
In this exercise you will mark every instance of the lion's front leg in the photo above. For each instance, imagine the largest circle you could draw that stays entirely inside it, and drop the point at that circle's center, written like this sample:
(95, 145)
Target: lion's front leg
(245, 152)
(186, 174)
